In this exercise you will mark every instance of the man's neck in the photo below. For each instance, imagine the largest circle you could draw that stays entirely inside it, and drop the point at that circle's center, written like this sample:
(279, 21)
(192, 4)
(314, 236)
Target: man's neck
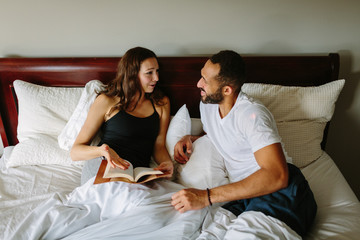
(227, 104)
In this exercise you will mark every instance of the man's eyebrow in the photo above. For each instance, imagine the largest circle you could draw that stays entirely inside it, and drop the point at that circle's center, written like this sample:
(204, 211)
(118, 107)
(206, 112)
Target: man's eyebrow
(202, 75)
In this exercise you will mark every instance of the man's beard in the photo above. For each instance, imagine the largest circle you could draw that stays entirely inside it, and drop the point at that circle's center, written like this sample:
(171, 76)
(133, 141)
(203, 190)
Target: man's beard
(216, 97)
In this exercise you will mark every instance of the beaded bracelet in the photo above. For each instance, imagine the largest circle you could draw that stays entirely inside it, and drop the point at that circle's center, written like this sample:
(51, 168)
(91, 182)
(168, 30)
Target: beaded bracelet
(208, 193)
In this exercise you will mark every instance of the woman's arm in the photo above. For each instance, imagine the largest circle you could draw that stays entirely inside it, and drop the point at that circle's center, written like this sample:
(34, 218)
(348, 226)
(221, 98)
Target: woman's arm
(81, 149)
(161, 155)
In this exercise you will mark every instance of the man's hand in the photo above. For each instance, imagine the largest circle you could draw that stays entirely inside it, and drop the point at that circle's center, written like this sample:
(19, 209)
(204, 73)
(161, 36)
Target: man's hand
(190, 199)
(183, 149)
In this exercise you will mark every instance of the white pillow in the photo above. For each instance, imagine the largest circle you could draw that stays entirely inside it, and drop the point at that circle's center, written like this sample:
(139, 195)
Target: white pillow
(43, 110)
(42, 149)
(72, 128)
(43, 113)
(7, 153)
(196, 127)
(205, 168)
(180, 125)
(301, 114)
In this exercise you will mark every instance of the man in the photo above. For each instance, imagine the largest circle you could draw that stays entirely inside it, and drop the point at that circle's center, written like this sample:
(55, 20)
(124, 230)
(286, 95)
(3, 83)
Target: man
(245, 133)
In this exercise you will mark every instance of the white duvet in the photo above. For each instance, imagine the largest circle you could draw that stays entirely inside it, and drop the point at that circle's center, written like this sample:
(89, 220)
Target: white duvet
(39, 202)
(127, 211)
(118, 210)
(114, 210)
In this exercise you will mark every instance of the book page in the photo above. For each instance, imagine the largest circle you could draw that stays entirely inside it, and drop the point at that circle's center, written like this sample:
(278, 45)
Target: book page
(142, 171)
(145, 178)
(118, 172)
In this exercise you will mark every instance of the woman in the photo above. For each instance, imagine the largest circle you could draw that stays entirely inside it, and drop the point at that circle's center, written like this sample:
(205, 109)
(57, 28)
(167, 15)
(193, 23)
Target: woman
(133, 116)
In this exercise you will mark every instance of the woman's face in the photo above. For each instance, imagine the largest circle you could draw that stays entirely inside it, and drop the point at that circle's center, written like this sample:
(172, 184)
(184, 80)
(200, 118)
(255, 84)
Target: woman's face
(149, 74)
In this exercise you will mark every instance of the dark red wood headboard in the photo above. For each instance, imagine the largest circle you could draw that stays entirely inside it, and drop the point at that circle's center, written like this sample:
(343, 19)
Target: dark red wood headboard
(178, 77)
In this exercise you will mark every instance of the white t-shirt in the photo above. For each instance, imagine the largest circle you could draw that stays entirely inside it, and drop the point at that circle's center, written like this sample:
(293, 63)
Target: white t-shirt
(248, 127)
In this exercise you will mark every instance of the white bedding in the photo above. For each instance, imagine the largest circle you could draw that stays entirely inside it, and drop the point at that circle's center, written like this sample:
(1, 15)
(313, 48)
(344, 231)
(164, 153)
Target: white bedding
(134, 211)
(23, 188)
(145, 212)
(46, 201)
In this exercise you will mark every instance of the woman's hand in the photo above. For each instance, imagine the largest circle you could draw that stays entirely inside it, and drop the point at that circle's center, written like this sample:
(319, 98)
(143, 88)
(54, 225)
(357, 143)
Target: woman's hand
(167, 168)
(113, 158)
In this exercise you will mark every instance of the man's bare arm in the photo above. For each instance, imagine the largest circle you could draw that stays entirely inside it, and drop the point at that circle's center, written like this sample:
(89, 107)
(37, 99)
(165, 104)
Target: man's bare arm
(271, 177)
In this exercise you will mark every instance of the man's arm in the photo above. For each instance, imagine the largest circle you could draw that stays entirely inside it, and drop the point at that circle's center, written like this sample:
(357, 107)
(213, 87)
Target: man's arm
(271, 177)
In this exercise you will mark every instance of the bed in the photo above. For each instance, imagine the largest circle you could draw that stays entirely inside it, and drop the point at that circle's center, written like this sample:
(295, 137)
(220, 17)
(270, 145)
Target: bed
(40, 193)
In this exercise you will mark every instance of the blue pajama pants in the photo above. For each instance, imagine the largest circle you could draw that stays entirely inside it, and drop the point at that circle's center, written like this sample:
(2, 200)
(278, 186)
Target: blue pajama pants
(294, 205)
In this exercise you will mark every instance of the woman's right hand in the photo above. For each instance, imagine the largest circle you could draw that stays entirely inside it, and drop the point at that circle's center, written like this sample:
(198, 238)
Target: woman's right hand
(113, 158)
(183, 149)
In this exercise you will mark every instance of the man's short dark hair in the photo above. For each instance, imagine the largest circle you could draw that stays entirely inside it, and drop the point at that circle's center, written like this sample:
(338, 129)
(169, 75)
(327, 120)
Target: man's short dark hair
(232, 69)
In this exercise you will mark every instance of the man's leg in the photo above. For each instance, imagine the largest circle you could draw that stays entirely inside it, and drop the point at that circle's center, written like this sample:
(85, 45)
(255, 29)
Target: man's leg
(294, 205)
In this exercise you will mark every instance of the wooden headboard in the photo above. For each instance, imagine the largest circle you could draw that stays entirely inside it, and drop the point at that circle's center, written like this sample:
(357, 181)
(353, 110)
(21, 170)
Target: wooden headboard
(178, 77)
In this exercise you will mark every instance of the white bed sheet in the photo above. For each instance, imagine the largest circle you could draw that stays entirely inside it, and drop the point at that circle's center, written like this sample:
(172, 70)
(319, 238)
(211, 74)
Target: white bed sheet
(22, 189)
(338, 215)
(127, 211)
(46, 202)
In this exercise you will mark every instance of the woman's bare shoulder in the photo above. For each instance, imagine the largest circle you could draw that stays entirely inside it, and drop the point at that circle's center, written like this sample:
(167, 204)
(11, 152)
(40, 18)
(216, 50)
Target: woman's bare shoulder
(165, 101)
(104, 103)
(103, 99)
(163, 106)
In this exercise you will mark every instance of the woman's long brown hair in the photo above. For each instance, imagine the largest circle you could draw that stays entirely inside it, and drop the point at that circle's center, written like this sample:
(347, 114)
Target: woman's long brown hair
(127, 84)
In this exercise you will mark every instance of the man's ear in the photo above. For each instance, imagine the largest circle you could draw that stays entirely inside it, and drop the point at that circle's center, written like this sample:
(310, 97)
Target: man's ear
(227, 90)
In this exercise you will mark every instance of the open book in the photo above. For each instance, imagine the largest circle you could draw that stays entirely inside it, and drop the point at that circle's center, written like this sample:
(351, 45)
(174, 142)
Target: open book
(131, 175)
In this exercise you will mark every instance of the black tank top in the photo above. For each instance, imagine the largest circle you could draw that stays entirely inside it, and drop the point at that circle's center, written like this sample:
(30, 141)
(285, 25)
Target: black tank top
(132, 138)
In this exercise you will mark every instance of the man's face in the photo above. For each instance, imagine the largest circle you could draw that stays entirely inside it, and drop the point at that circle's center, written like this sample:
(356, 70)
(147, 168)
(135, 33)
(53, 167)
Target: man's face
(210, 89)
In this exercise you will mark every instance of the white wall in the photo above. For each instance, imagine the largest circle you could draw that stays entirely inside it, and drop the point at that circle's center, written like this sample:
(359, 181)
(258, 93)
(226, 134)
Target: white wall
(182, 28)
